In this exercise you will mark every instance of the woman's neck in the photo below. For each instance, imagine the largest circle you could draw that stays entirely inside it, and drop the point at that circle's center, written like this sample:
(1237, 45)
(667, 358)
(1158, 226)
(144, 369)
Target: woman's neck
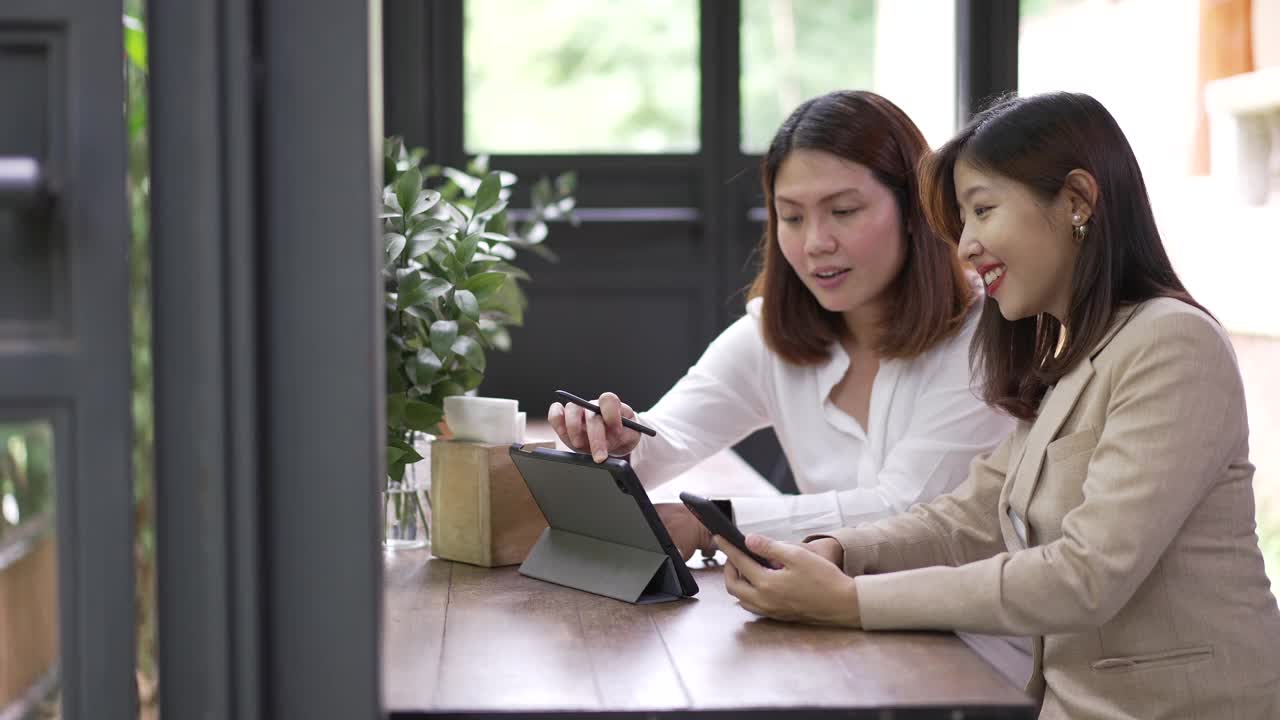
(864, 329)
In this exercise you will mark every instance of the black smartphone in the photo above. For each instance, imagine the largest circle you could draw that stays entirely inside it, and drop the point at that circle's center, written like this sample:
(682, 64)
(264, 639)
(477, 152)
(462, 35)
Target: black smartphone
(715, 521)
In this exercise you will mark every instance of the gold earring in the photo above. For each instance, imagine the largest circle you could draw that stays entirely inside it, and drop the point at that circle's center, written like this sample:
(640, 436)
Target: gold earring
(1079, 231)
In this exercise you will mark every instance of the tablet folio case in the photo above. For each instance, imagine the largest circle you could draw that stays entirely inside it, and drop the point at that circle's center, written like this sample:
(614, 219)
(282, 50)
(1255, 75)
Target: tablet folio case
(600, 538)
(601, 567)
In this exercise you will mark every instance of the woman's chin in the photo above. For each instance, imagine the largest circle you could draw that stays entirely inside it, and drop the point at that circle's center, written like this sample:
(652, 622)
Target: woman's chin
(1012, 312)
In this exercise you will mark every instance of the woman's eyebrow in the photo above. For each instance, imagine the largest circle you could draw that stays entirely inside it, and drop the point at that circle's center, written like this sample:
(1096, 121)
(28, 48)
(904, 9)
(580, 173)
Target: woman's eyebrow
(824, 198)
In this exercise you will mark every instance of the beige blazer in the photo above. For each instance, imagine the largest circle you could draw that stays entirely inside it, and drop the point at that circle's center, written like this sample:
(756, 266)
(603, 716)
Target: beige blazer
(1117, 530)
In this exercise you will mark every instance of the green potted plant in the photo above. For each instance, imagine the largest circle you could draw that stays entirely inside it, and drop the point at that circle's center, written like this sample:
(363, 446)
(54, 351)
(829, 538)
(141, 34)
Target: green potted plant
(451, 292)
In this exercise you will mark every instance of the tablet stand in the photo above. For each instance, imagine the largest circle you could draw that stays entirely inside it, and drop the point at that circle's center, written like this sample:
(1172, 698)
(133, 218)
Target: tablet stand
(598, 566)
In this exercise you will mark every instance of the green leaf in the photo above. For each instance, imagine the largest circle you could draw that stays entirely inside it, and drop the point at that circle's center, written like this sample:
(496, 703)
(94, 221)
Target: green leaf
(436, 287)
(537, 233)
(456, 214)
(421, 416)
(509, 301)
(498, 223)
(390, 204)
(407, 187)
(394, 244)
(395, 410)
(482, 219)
(426, 200)
(471, 351)
(497, 336)
(393, 455)
(466, 183)
(425, 236)
(446, 389)
(540, 194)
(467, 304)
(396, 472)
(411, 289)
(426, 365)
(487, 194)
(467, 248)
(454, 269)
(396, 382)
(424, 312)
(471, 379)
(443, 334)
(485, 284)
(566, 183)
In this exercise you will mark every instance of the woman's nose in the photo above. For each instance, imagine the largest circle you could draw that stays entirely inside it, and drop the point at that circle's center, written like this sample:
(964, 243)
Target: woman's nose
(818, 240)
(968, 247)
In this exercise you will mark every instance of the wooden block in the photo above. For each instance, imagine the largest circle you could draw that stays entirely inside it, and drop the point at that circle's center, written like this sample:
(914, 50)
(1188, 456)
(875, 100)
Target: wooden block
(482, 512)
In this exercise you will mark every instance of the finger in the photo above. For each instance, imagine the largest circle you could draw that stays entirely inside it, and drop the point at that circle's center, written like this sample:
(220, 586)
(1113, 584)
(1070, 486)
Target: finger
(733, 581)
(597, 438)
(575, 430)
(627, 412)
(749, 569)
(610, 411)
(777, 552)
(738, 587)
(555, 416)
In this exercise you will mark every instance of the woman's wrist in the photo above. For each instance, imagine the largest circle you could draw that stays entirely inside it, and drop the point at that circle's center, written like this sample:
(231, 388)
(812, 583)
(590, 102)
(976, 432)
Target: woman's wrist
(852, 615)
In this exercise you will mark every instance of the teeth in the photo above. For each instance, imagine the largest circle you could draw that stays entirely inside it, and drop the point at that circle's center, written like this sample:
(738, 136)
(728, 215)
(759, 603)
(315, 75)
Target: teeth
(993, 275)
(829, 275)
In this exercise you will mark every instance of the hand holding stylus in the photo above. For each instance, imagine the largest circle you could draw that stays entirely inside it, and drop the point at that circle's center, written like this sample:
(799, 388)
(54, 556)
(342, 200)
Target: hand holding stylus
(610, 431)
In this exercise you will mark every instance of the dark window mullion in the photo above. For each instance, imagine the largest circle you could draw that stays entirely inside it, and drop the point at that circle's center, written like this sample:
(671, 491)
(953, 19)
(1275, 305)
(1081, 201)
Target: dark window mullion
(720, 130)
(986, 53)
(446, 67)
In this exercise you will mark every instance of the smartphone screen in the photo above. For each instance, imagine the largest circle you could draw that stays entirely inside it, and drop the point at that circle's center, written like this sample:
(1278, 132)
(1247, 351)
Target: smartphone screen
(715, 521)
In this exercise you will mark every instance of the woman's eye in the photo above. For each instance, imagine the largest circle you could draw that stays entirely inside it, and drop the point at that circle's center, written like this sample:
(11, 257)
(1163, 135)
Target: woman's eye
(790, 219)
(981, 210)
(844, 212)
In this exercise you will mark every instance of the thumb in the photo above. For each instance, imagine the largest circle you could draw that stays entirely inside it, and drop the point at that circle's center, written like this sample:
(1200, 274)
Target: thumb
(767, 547)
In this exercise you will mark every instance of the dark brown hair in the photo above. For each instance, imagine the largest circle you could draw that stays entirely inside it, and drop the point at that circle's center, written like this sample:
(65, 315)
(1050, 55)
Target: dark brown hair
(930, 294)
(1037, 141)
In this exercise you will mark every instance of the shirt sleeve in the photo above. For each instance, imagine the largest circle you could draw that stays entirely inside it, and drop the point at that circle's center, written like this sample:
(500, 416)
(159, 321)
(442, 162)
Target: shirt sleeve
(720, 401)
(949, 427)
(1174, 421)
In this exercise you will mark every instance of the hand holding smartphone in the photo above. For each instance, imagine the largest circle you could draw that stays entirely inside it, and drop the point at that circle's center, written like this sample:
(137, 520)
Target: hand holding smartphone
(710, 516)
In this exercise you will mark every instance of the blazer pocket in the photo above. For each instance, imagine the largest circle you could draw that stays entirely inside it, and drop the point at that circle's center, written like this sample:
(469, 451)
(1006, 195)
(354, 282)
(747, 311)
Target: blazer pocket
(1071, 445)
(1168, 658)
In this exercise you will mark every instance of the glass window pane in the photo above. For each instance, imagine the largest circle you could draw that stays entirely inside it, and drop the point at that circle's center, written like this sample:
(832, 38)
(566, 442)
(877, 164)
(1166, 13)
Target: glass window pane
(793, 50)
(28, 568)
(564, 76)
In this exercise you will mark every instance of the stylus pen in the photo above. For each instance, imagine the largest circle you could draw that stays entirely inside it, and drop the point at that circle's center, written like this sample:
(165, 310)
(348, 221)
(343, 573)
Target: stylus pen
(570, 397)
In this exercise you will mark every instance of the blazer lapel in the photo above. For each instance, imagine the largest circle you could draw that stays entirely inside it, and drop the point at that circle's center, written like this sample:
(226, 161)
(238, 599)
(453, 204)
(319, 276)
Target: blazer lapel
(1057, 406)
(1056, 409)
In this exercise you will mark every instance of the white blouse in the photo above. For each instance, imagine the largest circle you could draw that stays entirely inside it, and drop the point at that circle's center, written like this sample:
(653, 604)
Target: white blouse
(926, 425)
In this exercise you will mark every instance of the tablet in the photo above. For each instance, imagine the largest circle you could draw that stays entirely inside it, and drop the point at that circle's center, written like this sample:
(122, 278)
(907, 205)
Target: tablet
(604, 535)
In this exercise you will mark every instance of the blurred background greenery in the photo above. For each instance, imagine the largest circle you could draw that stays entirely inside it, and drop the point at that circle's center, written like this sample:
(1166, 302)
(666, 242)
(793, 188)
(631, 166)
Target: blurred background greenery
(628, 72)
(139, 196)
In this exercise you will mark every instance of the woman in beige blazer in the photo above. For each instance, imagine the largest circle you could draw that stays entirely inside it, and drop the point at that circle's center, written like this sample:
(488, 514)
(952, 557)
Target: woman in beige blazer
(1115, 527)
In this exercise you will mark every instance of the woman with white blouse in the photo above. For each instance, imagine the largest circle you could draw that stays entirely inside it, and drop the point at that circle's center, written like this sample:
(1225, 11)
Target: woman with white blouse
(854, 347)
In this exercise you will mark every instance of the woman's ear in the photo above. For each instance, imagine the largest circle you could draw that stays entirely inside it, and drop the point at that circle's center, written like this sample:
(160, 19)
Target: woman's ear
(1081, 194)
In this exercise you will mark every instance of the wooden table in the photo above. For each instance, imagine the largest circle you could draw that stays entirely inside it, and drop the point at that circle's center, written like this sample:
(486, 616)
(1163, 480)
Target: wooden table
(465, 640)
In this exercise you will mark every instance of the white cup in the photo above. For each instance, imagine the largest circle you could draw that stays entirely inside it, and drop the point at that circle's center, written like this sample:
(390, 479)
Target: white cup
(482, 419)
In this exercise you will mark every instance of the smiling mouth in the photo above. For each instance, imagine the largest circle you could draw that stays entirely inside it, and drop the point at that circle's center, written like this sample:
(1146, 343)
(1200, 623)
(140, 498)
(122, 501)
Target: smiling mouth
(829, 274)
(992, 276)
